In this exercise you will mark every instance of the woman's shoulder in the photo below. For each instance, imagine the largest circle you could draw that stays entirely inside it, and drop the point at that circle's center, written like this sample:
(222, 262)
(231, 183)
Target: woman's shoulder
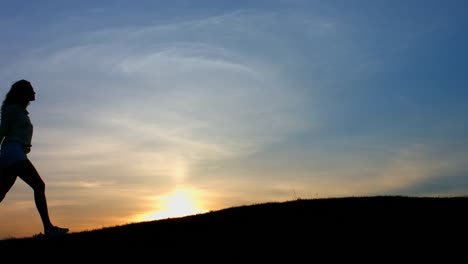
(13, 108)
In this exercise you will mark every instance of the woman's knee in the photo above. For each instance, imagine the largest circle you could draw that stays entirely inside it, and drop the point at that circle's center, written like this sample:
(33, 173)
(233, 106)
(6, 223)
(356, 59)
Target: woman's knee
(39, 186)
(29, 174)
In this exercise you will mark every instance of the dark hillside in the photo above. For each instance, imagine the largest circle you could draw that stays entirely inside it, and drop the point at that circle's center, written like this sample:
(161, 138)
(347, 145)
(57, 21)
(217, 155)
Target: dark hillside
(299, 229)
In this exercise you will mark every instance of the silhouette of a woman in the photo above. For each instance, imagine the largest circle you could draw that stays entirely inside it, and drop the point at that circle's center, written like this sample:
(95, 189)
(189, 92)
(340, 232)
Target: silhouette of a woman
(16, 132)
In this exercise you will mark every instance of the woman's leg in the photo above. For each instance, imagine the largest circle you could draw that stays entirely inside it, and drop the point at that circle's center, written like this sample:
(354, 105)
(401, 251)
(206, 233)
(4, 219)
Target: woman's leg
(7, 179)
(28, 173)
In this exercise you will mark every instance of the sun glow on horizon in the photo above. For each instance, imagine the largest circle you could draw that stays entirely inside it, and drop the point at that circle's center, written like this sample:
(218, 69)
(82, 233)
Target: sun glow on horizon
(181, 202)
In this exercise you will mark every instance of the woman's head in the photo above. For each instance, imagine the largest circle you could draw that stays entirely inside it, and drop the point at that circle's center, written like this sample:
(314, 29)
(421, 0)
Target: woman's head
(21, 93)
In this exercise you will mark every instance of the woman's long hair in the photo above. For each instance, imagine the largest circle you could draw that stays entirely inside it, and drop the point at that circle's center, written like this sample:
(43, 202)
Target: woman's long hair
(19, 94)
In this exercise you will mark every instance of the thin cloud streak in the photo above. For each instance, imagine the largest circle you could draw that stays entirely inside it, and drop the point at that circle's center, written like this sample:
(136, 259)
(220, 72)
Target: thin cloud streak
(168, 106)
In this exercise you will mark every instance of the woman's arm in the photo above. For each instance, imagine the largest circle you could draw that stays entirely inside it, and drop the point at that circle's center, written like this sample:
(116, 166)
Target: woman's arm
(2, 130)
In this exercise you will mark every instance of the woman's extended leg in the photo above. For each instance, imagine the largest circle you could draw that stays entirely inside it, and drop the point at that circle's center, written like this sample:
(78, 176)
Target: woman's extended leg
(7, 179)
(28, 173)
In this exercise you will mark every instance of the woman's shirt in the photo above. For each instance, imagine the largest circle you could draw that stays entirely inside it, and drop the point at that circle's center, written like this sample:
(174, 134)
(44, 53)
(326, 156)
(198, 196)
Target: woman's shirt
(15, 125)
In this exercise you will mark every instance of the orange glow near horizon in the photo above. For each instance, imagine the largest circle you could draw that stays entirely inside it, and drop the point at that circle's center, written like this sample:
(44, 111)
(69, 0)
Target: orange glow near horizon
(181, 202)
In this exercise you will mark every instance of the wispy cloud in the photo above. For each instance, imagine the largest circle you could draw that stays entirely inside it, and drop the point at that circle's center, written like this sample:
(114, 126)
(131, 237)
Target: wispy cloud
(142, 105)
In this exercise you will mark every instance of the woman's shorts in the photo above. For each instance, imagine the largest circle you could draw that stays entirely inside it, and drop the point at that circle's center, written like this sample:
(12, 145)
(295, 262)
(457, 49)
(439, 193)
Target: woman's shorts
(11, 152)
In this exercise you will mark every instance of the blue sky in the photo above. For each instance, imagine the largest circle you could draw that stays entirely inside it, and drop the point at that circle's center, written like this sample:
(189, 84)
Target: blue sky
(153, 109)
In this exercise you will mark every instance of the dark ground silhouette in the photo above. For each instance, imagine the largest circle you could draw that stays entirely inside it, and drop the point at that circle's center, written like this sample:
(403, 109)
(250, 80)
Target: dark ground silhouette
(298, 231)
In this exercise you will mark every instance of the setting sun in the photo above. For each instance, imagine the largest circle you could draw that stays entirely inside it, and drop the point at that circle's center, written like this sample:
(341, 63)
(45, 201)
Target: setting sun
(179, 203)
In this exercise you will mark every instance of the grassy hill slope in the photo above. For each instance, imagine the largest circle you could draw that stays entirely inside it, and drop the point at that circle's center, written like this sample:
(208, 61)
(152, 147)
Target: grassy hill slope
(298, 229)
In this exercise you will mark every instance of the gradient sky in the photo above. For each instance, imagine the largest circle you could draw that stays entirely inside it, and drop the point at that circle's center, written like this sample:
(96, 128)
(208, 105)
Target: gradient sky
(154, 109)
